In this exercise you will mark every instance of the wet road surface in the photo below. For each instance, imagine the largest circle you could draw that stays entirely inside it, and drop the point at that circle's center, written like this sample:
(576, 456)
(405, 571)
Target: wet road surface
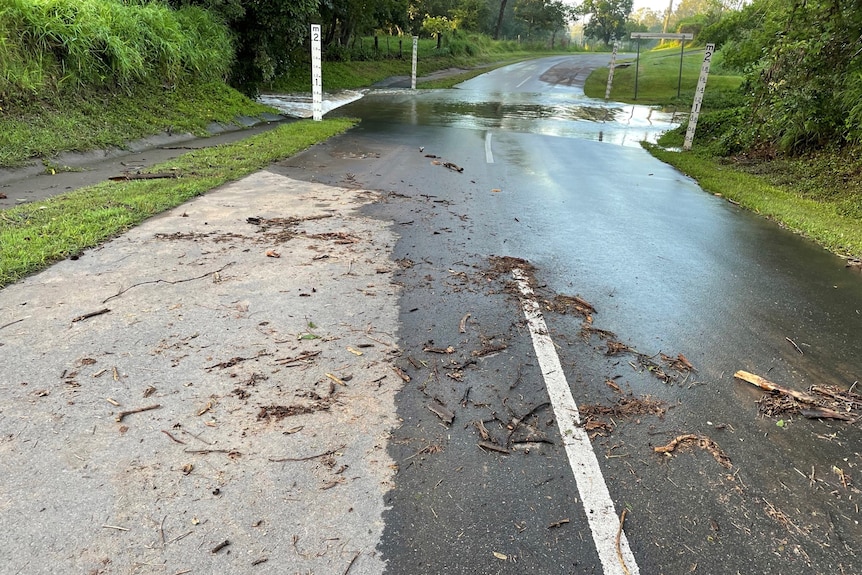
(668, 270)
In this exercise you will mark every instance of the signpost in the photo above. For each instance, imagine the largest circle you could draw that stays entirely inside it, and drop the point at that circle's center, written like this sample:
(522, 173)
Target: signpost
(611, 71)
(698, 96)
(415, 54)
(316, 75)
(655, 36)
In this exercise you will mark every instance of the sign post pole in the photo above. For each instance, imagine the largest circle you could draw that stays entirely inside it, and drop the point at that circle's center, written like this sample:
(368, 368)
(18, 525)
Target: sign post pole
(316, 75)
(698, 97)
(611, 72)
(415, 57)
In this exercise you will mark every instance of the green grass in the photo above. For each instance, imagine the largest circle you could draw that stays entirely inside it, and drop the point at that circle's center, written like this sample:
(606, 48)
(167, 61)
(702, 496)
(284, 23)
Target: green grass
(825, 221)
(38, 234)
(52, 46)
(363, 66)
(658, 78)
(99, 119)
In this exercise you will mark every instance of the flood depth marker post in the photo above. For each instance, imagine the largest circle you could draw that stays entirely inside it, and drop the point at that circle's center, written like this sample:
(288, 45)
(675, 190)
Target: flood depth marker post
(415, 58)
(698, 96)
(316, 75)
(611, 72)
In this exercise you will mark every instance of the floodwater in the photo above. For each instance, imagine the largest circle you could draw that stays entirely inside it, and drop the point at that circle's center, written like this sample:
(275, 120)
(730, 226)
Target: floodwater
(481, 103)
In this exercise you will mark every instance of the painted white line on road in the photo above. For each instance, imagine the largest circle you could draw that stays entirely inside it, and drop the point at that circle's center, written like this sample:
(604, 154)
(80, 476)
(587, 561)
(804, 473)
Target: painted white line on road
(598, 506)
(489, 155)
(524, 81)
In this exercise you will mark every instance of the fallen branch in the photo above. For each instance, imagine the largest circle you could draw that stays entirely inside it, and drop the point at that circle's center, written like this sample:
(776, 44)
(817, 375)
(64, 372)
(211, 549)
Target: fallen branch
(493, 447)
(619, 550)
(123, 414)
(310, 457)
(89, 315)
(825, 413)
(796, 347)
(771, 386)
(5, 325)
(172, 282)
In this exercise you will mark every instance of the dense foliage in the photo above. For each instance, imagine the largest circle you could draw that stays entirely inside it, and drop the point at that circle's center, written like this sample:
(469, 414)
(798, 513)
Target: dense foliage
(802, 61)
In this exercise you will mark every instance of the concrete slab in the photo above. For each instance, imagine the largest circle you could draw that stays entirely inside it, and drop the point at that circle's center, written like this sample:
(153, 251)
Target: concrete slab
(283, 458)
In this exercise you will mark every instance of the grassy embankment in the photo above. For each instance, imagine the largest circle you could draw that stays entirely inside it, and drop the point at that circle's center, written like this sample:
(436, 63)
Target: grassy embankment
(818, 195)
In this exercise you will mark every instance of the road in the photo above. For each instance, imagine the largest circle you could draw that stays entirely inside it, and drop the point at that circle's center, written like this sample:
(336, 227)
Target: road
(554, 184)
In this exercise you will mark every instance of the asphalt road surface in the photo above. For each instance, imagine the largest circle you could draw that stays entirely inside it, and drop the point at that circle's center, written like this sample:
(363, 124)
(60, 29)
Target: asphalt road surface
(652, 293)
(564, 305)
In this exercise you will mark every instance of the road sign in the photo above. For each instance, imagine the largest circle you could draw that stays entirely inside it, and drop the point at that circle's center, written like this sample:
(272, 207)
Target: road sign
(660, 36)
(698, 96)
(316, 75)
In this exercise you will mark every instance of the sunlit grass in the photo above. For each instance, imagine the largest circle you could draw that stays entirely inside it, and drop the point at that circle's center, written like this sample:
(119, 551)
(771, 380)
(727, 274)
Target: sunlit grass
(35, 235)
(658, 78)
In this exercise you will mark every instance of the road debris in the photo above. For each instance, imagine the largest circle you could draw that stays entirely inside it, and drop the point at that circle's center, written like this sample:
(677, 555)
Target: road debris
(701, 441)
(601, 419)
(89, 315)
(404, 377)
(493, 447)
(442, 412)
(123, 414)
(619, 549)
(820, 402)
(220, 546)
(462, 326)
(309, 457)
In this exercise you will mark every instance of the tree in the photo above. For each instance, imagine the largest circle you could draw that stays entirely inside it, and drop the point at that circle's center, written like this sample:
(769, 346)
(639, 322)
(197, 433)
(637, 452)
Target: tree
(436, 26)
(607, 18)
(469, 14)
(543, 16)
(265, 32)
(499, 25)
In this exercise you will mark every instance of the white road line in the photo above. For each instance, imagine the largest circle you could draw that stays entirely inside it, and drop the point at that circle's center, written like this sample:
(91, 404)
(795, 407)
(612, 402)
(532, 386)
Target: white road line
(489, 155)
(598, 506)
(524, 81)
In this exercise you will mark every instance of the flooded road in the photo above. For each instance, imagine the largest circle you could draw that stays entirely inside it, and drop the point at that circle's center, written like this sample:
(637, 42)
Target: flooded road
(544, 177)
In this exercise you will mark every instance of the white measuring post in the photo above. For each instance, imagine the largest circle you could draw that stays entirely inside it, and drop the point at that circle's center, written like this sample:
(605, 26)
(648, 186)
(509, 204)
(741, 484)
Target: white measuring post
(415, 59)
(698, 96)
(316, 75)
(611, 72)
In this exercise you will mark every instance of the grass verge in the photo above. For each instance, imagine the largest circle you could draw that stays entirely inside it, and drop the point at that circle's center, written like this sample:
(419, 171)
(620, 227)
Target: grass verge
(824, 222)
(35, 235)
(351, 75)
(658, 79)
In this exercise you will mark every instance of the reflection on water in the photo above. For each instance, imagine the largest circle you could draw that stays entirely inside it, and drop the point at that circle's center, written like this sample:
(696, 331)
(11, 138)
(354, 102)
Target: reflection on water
(569, 115)
(564, 115)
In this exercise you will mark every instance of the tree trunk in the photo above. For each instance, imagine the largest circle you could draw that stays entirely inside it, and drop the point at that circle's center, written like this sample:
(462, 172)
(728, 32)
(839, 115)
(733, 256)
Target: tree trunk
(439, 39)
(500, 19)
